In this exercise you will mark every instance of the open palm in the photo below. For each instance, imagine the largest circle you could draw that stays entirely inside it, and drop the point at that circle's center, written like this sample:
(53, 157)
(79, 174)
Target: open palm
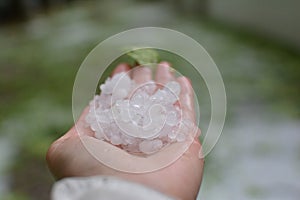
(68, 157)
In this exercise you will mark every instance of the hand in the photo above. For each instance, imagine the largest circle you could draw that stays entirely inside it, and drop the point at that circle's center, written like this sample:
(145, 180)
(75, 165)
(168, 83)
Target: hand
(68, 157)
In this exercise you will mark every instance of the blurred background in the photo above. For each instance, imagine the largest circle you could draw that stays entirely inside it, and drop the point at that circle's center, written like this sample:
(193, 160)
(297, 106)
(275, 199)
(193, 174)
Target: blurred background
(255, 44)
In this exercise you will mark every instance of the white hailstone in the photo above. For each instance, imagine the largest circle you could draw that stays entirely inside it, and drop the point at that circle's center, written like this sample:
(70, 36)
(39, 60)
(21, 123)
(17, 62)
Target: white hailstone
(172, 118)
(138, 119)
(95, 126)
(137, 100)
(171, 99)
(121, 110)
(99, 135)
(151, 146)
(107, 133)
(105, 116)
(121, 81)
(90, 118)
(125, 115)
(190, 125)
(150, 87)
(158, 96)
(119, 94)
(116, 140)
(165, 131)
(122, 85)
(173, 91)
(128, 139)
(140, 98)
(172, 135)
(180, 137)
(186, 126)
(105, 99)
(174, 87)
(107, 87)
(157, 112)
(146, 119)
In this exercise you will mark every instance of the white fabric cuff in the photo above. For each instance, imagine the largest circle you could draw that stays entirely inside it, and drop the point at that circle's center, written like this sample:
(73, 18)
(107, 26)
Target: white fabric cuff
(102, 187)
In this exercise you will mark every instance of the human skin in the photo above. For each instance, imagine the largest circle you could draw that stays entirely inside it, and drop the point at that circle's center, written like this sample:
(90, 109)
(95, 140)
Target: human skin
(67, 157)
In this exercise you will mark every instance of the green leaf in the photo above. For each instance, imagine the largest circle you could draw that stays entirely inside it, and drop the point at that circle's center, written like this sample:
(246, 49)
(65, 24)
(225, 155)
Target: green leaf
(144, 56)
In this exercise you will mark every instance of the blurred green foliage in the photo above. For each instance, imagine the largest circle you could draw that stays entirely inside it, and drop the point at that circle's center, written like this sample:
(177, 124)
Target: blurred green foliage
(39, 61)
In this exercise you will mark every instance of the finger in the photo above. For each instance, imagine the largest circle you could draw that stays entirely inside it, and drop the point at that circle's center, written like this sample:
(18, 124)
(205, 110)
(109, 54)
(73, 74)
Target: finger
(186, 98)
(122, 67)
(141, 74)
(163, 73)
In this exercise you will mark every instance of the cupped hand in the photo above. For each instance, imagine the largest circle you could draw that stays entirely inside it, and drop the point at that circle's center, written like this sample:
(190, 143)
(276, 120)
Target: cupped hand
(68, 157)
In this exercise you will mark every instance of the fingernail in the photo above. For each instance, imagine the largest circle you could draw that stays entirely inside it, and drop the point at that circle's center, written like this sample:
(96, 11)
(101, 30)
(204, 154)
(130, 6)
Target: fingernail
(122, 66)
(163, 67)
(164, 63)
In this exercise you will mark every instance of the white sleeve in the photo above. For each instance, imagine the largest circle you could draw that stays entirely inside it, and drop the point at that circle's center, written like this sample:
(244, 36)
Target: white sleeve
(102, 187)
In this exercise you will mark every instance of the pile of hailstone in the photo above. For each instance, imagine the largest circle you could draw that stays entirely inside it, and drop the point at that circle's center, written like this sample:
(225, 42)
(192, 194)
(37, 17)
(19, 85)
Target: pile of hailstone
(138, 118)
